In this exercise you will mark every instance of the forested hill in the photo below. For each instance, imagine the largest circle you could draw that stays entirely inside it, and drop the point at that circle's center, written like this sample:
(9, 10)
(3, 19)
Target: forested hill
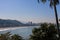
(13, 23)
(8, 23)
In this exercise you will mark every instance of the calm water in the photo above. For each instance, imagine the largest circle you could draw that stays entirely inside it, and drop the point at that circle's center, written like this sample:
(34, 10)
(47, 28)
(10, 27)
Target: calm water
(22, 31)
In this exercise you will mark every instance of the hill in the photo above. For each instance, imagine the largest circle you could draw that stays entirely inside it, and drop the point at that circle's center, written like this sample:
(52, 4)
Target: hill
(9, 23)
(14, 23)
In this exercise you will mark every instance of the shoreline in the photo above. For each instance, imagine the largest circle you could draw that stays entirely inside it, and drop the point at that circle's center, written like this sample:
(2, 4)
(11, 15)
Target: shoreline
(12, 28)
(15, 27)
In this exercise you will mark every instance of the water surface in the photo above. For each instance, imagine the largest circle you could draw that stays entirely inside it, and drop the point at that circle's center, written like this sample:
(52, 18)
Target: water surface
(22, 31)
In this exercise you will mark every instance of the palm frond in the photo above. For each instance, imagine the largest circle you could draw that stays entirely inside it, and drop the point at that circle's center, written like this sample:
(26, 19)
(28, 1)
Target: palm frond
(43, 1)
(56, 2)
(38, 1)
(53, 2)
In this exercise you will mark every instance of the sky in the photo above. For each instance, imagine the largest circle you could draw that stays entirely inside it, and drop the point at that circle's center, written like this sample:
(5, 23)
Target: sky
(27, 11)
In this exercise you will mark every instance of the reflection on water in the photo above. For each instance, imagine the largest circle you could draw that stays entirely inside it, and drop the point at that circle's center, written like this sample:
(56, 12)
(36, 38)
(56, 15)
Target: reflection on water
(23, 31)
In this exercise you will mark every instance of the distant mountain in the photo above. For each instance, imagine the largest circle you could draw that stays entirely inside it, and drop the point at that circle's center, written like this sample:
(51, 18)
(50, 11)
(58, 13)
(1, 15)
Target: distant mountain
(14, 23)
(9, 23)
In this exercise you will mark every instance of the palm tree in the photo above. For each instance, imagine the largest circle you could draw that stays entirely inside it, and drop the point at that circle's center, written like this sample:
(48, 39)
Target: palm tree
(53, 3)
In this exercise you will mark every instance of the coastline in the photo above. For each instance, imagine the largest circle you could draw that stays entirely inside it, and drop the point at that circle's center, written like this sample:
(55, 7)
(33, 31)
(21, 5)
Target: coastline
(15, 27)
(12, 28)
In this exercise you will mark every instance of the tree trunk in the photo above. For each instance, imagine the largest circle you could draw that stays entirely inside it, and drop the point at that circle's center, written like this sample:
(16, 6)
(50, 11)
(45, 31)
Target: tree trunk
(56, 15)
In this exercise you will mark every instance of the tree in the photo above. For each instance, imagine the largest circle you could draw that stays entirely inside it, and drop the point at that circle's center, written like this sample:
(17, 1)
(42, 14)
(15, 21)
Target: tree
(16, 37)
(45, 32)
(5, 36)
(9, 36)
(53, 3)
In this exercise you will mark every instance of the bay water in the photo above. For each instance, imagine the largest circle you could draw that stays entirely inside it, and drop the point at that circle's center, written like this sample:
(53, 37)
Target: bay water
(25, 32)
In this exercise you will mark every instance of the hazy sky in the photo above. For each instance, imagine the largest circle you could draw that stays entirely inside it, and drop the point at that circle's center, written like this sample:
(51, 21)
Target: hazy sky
(27, 10)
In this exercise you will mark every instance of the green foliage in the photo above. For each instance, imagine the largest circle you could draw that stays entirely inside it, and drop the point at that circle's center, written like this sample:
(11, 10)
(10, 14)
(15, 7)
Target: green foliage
(5, 36)
(9, 36)
(45, 32)
(16, 37)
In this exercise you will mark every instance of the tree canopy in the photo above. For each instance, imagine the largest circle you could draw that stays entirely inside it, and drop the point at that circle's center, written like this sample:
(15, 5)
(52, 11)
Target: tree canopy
(9, 36)
(45, 32)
